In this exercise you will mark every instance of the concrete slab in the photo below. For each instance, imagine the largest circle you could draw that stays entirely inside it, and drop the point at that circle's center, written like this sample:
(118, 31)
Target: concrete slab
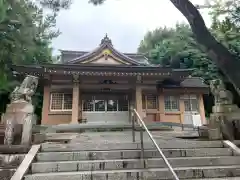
(133, 174)
(97, 165)
(60, 136)
(132, 154)
(118, 145)
(224, 178)
(126, 136)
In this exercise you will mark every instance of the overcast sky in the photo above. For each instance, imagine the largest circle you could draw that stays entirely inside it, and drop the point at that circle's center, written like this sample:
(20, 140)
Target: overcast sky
(125, 21)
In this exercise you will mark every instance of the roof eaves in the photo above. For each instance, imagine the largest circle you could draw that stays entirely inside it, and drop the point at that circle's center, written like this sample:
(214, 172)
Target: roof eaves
(101, 47)
(180, 70)
(199, 82)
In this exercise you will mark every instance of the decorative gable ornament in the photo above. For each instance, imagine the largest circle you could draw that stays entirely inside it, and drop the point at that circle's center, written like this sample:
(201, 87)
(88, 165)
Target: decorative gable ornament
(106, 53)
(106, 40)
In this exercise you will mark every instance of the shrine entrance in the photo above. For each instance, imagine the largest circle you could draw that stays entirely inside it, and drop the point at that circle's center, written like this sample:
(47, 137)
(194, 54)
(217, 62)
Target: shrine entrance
(106, 108)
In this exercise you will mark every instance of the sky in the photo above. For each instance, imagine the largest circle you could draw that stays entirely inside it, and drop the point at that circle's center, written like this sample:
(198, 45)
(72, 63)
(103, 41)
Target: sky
(125, 21)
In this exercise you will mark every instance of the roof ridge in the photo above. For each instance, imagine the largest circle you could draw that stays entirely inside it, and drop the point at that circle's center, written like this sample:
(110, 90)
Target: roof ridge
(105, 43)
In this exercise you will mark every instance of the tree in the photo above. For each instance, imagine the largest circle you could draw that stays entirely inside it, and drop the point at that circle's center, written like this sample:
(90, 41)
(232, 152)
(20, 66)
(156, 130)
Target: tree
(223, 58)
(226, 24)
(26, 30)
(228, 9)
(177, 48)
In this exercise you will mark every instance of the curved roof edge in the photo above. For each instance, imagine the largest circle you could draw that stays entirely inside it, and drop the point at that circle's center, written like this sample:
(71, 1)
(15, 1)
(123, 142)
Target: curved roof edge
(105, 43)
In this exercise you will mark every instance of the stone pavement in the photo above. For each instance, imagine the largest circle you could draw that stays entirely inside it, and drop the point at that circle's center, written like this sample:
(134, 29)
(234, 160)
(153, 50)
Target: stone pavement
(113, 156)
(126, 136)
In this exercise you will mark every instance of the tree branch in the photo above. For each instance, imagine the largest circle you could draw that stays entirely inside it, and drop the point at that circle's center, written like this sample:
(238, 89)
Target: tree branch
(226, 61)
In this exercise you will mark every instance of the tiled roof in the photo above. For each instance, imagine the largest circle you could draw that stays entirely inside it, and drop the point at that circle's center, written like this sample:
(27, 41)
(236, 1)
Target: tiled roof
(70, 57)
(193, 82)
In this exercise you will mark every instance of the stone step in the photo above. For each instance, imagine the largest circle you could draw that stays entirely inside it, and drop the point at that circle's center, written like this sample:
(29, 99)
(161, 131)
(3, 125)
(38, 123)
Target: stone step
(224, 178)
(131, 154)
(148, 174)
(11, 159)
(95, 165)
(14, 149)
(6, 174)
(48, 147)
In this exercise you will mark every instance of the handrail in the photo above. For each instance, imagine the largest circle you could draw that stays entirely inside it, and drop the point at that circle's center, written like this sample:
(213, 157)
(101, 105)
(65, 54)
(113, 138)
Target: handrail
(232, 146)
(141, 123)
(26, 163)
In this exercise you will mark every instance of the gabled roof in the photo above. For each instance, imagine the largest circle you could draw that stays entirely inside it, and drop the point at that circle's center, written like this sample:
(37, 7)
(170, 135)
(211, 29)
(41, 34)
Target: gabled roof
(106, 43)
(194, 82)
(188, 82)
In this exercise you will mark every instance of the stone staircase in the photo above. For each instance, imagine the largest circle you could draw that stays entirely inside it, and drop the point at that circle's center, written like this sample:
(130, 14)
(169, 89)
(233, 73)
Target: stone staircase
(122, 161)
(10, 159)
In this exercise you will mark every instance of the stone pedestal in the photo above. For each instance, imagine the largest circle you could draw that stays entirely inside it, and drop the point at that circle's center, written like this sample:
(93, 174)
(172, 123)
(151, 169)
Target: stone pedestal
(203, 132)
(215, 134)
(224, 108)
(223, 121)
(18, 111)
(18, 121)
(27, 129)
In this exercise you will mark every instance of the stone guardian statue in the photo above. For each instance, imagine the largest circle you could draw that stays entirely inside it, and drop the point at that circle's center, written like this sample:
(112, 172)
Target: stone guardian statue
(225, 118)
(19, 115)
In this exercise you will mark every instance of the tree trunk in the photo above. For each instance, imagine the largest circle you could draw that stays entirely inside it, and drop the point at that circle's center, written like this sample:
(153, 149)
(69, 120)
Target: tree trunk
(226, 61)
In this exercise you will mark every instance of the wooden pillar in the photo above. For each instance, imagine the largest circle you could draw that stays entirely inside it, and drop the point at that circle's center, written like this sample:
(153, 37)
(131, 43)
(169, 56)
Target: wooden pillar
(182, 110)
(138, 98)
(80, 104)
(46, 100)
(75, 99)
(202, 110)
(161, 107)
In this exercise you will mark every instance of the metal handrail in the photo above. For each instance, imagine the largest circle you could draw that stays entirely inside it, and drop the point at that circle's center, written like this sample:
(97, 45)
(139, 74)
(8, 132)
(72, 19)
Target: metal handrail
(232, 146)
(142, 124)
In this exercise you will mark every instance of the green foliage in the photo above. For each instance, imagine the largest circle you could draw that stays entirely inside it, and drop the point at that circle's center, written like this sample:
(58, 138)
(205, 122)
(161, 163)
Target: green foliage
(55, 5)
(226, 24)
(97, 2)
(177, 48)
(26, 30)
(226, 11)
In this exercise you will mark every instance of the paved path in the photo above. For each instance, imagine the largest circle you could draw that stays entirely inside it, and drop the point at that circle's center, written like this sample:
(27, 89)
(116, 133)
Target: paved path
(126, 136)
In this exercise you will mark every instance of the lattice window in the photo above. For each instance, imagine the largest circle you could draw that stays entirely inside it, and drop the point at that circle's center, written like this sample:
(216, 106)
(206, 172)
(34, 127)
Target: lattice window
(103, 105)
(112, 105)
(88, 105)
(61, 102)
(191, 103)
(100, 105)
(150, 101)
(171, 103)
(122, 105)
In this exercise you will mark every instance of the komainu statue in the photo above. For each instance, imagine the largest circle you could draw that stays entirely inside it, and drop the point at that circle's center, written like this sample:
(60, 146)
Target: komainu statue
(25, 91)
(221, 95)
(19, 115)
(225, 117)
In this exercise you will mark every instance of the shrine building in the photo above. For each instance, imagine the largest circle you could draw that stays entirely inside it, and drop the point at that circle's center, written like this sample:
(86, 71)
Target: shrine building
(103, 85)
